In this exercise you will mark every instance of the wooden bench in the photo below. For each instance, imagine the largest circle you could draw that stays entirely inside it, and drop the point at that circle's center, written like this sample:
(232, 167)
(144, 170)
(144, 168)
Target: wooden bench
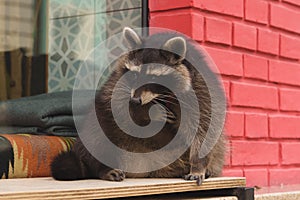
(47, 188)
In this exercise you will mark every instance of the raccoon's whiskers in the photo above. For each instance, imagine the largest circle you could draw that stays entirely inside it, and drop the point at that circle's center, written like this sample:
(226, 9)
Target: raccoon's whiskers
(169, 114)
(179, 100)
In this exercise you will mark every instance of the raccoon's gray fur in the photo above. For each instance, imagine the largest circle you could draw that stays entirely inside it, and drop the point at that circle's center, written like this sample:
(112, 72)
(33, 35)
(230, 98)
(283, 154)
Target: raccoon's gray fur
(189, 165)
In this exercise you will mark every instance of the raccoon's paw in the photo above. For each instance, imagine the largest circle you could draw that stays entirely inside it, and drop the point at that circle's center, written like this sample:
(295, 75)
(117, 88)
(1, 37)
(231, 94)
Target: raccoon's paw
(199, 177)
(114, 175)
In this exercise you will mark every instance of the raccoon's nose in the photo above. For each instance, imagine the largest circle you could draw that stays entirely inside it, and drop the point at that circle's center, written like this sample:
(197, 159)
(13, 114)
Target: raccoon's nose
(136, 100)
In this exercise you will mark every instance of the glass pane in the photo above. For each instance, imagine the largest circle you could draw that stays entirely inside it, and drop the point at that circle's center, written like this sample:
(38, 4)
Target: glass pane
(76, 27)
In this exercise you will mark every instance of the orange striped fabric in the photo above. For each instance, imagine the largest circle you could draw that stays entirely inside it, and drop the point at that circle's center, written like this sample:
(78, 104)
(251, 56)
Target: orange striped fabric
(24, 155)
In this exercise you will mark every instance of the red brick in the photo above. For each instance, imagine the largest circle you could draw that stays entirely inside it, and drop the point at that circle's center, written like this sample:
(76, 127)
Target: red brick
(244, 36)
(234, 124)
(256, 177)
(285, 18)
(226, 85)
(290, 153)
(218, 31)
(187, 22)
(284, 176)
(295, 2)
(252, 95)
(268, 41)
(166, 20)
(232, 7)
(255, 67)
(254, 153)
(290, 47)
(289, 99)
(284, 72)
(256, 10)
(197, 26)
(232, 172)
(228, 62)
(156, 5)
(284, 126)
(256, 125)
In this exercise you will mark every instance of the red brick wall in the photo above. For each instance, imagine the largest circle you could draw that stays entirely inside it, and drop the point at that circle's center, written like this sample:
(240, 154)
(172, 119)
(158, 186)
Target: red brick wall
(256, 46)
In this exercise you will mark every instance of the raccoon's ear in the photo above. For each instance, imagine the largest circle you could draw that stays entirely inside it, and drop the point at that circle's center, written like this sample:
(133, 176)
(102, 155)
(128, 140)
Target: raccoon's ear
(131, 37)
(176, 45)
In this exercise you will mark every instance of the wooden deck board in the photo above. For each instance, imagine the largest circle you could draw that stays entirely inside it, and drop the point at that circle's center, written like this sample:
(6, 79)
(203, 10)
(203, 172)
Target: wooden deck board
(47, 188)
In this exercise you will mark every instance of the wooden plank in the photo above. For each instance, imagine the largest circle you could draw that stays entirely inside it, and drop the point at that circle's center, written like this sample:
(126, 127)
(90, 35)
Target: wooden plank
(47, 188)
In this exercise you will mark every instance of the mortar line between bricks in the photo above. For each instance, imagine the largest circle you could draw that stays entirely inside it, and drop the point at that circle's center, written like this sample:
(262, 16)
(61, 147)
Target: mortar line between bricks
(264, 82)
(260, 82)
(252, 52)
(269, 176)
(286, 5)
(269, 15)
(239, 108)
(204, 29)
(244, 118)
(268, 63)
(230, 153)
(213, 14)
(232, 34)
(243, 64)
(279, 99)
(281, 30)
(207, 13)
(280, 154)
(269, 126)
(262, 166)
(243, 170)
(290, 5)
(244, 9)
(216, 13)
(256, 50)
(259, 167)
(170, 9)
(264, 139)
(280, 38)
(262, 110)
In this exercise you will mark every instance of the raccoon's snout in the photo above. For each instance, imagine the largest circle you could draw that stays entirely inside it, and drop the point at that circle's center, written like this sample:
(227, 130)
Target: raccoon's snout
(141, 97)
(136, 100)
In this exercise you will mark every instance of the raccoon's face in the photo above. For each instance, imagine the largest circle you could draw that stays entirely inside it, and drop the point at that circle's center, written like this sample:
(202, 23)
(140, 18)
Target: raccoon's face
(153, 75)
(151, 81)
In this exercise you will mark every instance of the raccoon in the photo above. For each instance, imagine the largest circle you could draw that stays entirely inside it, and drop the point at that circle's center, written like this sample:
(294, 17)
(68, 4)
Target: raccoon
(144, 62)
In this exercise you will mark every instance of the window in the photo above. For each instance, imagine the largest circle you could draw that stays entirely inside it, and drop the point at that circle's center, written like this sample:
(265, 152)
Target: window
(43, 42)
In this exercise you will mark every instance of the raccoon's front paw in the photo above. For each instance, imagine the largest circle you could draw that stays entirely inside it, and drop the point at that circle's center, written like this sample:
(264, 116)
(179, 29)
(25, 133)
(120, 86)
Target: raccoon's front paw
(114, 175)
(199, 177)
